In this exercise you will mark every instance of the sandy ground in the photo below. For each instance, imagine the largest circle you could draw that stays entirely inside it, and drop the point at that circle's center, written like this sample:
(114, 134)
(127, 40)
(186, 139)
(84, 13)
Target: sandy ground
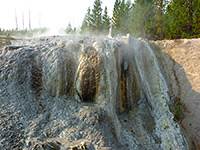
(184, 64)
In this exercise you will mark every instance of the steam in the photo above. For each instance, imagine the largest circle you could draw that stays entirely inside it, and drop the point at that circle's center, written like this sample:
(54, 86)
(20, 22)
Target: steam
(51, 32)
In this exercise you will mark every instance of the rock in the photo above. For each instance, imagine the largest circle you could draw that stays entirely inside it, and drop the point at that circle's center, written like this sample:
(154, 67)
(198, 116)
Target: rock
(110, 34)
(87, 93)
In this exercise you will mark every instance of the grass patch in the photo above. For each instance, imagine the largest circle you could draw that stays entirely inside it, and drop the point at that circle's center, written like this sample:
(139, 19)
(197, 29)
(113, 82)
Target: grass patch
(178, 109)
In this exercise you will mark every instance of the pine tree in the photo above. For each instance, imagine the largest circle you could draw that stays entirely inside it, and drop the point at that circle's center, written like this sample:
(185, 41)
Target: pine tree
(181, 14)
(86, 24)
(196, 20)
(186, 23)
(68, 30)
(125, 10)
(122, 12)
(96, 17)
(190, 12)
(106, 21)
(121, 16)
(141, 19)
(161, 24)
(116, 16)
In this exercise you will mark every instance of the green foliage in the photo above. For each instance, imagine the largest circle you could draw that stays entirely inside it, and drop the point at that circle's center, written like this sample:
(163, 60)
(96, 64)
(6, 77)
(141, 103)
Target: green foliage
(121, 16)
(149, 19)
(69, 29)
(183, 16)
(96, 17)
(177, 15)
(161, 28)
(178, 109)
(86, 22)
(141, 20)
(196, 20)
(94, 21)
(116, 16)
(125, 11)
(106, 21)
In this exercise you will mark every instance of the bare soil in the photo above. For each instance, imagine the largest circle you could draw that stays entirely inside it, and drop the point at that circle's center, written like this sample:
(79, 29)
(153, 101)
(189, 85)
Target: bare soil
(182, 60)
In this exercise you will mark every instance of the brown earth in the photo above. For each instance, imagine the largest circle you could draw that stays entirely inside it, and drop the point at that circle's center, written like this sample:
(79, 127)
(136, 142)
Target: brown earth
(182, 61)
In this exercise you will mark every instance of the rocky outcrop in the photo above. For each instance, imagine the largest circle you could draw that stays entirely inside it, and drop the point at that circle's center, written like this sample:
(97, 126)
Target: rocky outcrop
(106, 93)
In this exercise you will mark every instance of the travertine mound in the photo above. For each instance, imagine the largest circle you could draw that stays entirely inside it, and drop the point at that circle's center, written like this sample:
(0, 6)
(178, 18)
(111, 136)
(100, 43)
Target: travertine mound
(81, 92)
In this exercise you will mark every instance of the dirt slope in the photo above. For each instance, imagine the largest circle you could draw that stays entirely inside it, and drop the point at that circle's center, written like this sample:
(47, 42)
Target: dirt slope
(182, 60)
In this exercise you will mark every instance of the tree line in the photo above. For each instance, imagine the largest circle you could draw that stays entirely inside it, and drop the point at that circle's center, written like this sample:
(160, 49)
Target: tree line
(149, 19)
(22, 33)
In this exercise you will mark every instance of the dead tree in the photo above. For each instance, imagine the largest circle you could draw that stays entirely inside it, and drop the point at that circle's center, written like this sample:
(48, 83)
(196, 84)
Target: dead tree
(23, 20)
(29, 20)
(16, 20)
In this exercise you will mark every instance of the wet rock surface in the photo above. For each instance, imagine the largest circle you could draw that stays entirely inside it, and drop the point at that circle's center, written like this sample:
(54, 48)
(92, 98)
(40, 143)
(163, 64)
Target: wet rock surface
(85, 93)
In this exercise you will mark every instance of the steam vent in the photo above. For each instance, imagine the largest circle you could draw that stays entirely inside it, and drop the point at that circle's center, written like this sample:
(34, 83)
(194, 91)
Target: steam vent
(60, 93)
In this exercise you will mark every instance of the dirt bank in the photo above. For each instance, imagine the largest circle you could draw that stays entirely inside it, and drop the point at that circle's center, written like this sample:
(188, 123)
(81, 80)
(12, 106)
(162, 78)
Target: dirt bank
(182, 60)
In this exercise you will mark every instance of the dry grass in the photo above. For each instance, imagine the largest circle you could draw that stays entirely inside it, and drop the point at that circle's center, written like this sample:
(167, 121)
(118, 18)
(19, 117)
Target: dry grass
(5, 40)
